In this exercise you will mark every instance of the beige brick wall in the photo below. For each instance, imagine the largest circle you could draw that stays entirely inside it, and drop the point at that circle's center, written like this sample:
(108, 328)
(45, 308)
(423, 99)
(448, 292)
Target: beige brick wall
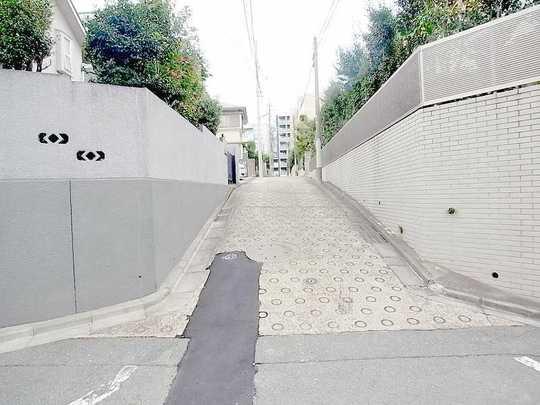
(479, 155)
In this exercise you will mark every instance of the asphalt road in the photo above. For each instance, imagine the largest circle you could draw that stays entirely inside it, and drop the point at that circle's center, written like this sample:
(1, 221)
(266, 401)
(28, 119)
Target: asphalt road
(466, 366)
(218, 367)
(79, 371)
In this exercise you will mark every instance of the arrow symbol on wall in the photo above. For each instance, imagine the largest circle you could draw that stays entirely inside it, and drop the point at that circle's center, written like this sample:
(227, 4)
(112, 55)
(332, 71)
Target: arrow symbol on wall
(65, 139)
(90, 155)
(53, 138)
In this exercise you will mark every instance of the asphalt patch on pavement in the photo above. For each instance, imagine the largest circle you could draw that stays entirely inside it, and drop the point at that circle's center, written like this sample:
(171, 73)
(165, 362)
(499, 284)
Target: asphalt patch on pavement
(218, 367)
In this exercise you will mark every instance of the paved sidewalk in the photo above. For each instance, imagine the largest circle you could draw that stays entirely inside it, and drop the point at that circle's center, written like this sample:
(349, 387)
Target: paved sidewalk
(323, 273)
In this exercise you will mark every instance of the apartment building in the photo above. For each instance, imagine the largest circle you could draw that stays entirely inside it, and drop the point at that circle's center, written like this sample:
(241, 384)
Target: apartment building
(282, 144)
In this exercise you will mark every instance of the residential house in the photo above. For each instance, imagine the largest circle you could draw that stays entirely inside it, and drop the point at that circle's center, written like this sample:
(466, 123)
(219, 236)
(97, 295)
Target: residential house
(68, 34)
(231, 130)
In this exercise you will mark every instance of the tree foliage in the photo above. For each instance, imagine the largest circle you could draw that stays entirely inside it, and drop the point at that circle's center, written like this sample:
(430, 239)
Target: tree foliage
(304, 137)
(24, 33)
(251, 148)
(389, 41)
(146, 44)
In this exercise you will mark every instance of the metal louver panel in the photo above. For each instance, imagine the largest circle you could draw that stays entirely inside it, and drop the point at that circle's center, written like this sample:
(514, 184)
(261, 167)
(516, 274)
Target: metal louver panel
(502, 52)
(398, 96)
(497, 55)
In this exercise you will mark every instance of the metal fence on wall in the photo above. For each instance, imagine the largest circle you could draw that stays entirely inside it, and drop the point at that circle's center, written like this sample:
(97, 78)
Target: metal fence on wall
(500, 54)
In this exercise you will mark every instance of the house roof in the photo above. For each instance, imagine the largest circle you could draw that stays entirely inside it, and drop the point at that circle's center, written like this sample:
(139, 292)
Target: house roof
(70, 13)
(228, 108)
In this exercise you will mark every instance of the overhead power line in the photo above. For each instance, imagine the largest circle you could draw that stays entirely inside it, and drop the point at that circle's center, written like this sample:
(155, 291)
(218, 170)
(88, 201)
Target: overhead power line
(250, 30)
(322, 32)
(328, 20)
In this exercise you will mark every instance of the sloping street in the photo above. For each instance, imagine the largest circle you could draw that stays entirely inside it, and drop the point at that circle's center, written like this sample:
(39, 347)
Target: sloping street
(344, 320)
(341, 319)
(245, 202)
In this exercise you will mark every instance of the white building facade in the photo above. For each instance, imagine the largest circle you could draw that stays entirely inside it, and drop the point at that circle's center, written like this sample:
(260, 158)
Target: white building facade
(282, 144)
(231, 130)
(68, 34)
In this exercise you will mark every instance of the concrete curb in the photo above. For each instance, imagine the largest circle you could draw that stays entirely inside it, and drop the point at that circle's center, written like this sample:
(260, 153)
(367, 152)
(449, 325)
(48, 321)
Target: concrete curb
(438, 279)
(84, 323)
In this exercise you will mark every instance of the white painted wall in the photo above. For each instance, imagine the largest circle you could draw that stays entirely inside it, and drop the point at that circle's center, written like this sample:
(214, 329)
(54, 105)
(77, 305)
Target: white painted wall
(140, 135)
(175, 149)
(231, 135)
(60, 24)
(480, 156)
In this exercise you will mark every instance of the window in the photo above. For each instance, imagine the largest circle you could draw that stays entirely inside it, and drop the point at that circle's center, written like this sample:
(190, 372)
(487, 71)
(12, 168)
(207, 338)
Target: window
(63, 52)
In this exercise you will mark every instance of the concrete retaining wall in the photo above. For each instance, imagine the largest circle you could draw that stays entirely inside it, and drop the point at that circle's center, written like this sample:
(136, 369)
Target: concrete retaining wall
(138, 133)
(480, 156)
(470, 143)
(77, 231)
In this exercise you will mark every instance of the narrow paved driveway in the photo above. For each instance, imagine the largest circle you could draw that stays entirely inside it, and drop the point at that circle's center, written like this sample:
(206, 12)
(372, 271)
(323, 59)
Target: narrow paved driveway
(342, 320)
(323, 272)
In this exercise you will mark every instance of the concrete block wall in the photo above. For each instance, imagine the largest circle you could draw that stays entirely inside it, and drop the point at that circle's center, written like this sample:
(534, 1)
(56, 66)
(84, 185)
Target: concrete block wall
(139, 134)
(77, 235)
(480, 156)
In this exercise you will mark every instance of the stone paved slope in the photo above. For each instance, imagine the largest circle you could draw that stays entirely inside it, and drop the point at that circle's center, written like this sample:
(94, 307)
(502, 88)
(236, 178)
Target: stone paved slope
(321, 272)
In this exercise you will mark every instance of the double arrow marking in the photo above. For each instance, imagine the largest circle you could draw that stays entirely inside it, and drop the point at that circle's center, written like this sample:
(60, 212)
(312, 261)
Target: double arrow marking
(85, 156)
(53, 138)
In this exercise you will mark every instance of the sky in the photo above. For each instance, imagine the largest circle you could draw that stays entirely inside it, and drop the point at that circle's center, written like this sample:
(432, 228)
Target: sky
(284, 31)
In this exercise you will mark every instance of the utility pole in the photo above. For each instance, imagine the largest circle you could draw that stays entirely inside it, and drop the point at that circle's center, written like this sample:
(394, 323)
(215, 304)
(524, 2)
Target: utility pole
(318, 162)
(259, 93)
(259, 127)
(271, 159)
(294, 144)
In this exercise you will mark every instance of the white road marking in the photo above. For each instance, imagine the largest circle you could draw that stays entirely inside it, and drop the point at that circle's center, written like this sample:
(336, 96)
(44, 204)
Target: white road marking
(105, 390)
(527, 361)
(230, 256)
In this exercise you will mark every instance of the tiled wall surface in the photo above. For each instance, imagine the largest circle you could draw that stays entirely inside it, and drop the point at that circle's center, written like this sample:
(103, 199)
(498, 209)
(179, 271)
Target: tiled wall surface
(480, 156)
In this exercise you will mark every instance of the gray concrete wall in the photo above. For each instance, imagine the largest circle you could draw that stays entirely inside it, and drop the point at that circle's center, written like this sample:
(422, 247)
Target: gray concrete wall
(112, 241)
(95, 117)
(36, 266)
(180, 209)
(138, 133)
(73, 246)
(177, 150)
(77, 235)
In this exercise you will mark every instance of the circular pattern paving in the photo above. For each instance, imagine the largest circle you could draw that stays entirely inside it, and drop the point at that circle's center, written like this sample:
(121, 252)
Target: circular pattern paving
(360, 324)
(296, 231)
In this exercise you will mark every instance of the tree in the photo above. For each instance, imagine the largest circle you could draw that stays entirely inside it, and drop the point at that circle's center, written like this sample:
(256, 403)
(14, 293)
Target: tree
(352, 64)
(304, 138)
(210, 113)
(379, 40)
(146, 44)
(251, 149)
(390, 40)
(24, 33)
